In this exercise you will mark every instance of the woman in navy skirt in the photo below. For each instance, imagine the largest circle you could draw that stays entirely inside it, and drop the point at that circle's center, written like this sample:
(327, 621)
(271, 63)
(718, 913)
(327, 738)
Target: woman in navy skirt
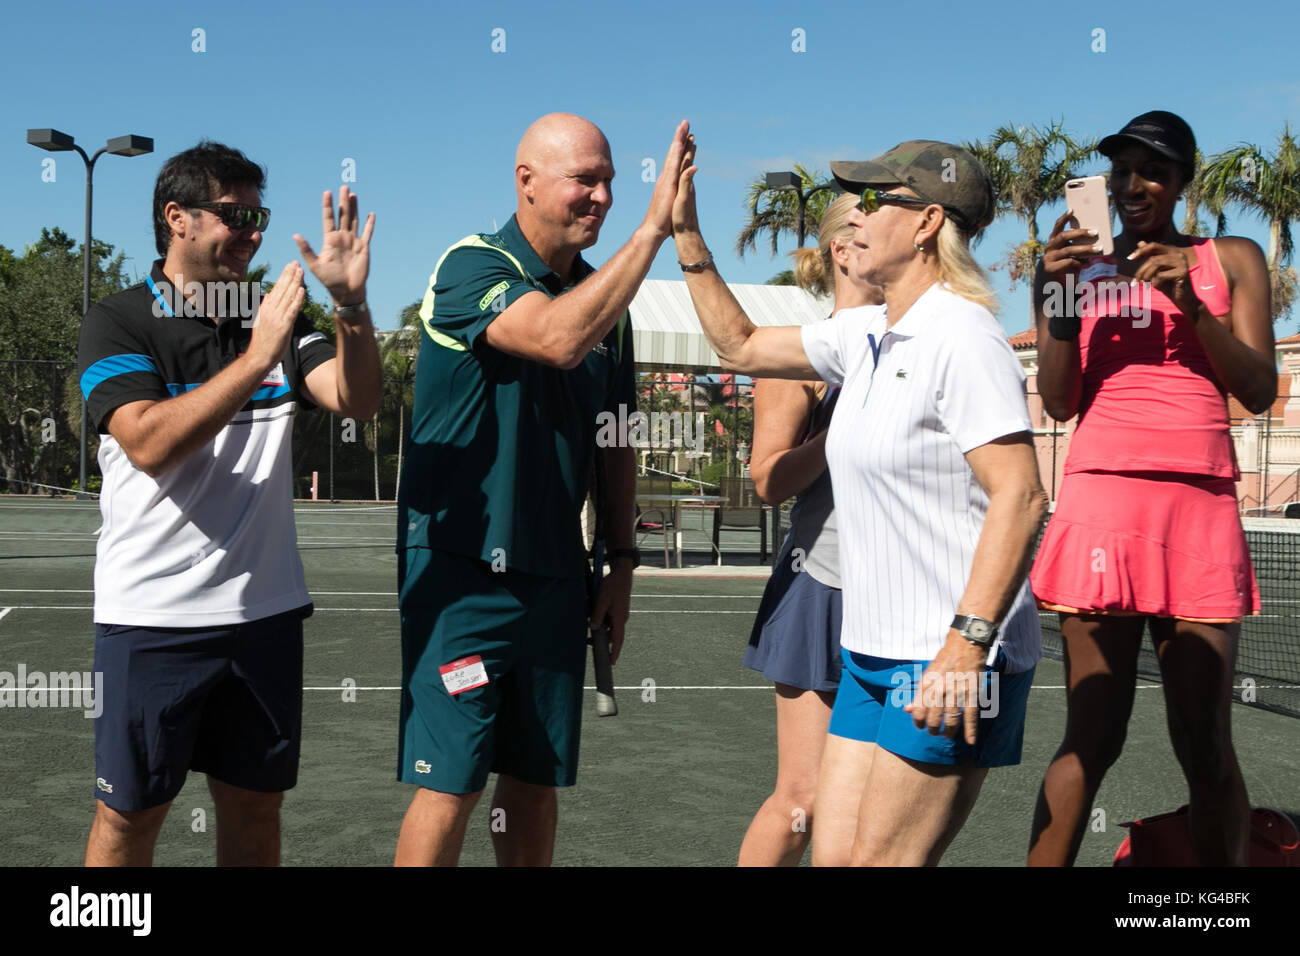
(795, 642)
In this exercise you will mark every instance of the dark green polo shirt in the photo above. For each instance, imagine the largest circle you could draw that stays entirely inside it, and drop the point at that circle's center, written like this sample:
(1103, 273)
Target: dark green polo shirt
(501, 447)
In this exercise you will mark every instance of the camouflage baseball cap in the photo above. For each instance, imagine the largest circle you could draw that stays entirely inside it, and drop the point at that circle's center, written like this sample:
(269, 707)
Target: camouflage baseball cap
(939, 172)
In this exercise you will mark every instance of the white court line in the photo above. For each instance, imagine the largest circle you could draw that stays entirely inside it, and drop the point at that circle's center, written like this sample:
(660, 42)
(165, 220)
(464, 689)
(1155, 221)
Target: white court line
(48, 535)
(321, 509)
(372, 610)
(362, 610)
(734, 597)
(349, 524)
(375, 509)
(659, 687)
(635, 597)
(4, 611)
(10, 506)
(349, 539)
(616, 687)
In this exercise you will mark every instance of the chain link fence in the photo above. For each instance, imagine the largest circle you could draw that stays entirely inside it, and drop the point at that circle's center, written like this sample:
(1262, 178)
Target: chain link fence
(693, 432)
(40, 425)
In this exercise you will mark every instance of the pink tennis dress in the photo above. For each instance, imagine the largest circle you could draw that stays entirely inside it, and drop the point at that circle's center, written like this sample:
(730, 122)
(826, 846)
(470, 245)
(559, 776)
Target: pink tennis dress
(1146, 521)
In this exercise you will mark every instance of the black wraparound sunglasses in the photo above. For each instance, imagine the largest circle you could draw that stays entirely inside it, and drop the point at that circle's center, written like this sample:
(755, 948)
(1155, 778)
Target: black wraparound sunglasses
(235, 215)
(873, 199)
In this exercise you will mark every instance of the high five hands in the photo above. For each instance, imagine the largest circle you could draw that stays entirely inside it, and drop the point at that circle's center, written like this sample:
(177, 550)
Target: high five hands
(659, 218)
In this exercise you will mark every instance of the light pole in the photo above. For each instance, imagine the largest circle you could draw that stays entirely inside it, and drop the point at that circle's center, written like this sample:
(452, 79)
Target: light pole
(793, 182)
(56, 142)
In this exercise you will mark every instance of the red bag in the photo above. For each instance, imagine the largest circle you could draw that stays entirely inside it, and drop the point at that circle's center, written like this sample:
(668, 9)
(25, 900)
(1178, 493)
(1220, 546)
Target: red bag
(1166, 840)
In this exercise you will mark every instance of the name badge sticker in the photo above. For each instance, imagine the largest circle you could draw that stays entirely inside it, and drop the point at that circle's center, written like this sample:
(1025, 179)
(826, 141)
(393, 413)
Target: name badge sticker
(275, 376)
(464, 674)
(1102, 268)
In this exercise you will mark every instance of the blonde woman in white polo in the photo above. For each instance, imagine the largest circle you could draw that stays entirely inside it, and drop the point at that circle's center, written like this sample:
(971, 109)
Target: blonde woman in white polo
(939, 501)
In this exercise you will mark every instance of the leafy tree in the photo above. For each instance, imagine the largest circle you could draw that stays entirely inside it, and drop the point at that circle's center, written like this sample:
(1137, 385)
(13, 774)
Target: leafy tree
(40, 295)
(40, 322)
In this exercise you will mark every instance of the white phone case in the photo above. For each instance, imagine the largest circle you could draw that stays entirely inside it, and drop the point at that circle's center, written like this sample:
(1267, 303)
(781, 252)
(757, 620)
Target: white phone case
(1087, 202)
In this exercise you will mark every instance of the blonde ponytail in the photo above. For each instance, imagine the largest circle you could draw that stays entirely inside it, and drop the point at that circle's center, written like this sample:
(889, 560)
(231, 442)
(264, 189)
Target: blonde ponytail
(814, 269)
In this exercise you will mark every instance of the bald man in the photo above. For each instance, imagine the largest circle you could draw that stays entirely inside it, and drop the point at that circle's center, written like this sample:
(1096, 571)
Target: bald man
(524, 345)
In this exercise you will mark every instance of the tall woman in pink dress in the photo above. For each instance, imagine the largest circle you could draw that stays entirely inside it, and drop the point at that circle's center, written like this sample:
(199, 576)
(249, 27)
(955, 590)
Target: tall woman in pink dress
(1145, 346)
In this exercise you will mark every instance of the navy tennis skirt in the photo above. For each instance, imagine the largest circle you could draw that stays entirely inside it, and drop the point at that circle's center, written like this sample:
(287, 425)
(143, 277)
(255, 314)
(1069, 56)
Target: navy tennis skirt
(796, 636)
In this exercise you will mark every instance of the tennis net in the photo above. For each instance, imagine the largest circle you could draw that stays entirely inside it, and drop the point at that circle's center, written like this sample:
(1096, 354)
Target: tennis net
(1268, 656)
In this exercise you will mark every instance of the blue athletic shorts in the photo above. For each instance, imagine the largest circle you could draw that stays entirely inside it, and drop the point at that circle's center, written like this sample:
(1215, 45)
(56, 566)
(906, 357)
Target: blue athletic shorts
(226, 701)
(874, 690)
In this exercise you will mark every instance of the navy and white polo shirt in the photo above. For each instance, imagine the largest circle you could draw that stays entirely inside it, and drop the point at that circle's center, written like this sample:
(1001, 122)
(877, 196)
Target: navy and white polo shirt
(212, 541)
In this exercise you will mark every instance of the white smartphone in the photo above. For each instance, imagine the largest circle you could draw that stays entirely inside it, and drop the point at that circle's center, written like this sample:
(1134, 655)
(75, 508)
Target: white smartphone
(1087, 202)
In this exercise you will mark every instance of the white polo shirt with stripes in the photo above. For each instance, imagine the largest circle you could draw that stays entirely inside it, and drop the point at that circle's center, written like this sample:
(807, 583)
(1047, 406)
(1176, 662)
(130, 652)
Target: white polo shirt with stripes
(916, 397)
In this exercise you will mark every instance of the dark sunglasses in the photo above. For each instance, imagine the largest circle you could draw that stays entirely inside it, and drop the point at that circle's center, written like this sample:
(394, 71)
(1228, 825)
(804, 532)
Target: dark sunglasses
(234, 215)
(873, 199)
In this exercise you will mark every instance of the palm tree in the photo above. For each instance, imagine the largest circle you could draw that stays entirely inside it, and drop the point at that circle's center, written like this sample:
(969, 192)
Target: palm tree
(397, 357)
(1269, 187)
(1195, 197)
(1029, 166)
(780, 214)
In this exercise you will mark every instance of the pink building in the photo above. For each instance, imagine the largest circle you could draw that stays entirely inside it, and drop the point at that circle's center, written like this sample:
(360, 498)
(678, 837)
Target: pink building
(1267, 445)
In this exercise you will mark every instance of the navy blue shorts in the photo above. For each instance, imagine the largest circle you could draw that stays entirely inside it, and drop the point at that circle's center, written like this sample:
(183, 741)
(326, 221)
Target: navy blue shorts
(796, 635)
(225, 701)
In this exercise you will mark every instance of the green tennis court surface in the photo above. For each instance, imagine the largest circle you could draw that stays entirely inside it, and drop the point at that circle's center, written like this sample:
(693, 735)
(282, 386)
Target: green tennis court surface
(672, 780)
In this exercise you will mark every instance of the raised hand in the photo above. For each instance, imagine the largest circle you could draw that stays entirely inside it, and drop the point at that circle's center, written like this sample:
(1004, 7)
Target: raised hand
(659, 217)
(344, 259)
(276, 314)
(685, 216)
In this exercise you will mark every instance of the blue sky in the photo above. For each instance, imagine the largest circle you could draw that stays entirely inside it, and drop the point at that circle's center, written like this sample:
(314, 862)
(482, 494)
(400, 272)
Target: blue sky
(414, 93)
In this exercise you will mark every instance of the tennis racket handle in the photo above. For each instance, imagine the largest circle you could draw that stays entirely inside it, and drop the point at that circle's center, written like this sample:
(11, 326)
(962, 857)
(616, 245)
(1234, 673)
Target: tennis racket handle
(606, 706)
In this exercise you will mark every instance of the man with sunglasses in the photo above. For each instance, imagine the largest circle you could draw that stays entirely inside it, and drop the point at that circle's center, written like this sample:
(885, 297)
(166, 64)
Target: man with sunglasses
(199, 590)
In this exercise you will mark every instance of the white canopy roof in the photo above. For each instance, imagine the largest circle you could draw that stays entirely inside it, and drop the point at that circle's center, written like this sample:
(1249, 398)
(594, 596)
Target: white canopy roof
(666, 331)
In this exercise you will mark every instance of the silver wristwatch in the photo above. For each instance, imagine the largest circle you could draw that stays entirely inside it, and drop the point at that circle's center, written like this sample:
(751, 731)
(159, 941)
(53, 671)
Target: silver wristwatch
(975, 629)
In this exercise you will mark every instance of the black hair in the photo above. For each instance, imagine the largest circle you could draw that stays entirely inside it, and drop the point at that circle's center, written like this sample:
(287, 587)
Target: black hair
(200, 174)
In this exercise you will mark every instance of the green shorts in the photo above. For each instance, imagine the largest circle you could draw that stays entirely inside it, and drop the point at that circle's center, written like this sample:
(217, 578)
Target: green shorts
(492, 671)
